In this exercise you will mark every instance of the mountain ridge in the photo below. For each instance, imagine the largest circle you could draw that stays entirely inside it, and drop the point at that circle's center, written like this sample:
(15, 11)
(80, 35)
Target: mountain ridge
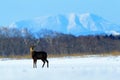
(76, 24)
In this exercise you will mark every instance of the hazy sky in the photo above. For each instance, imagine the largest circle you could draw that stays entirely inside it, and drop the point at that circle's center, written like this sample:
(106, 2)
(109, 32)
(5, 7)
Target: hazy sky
(15, 10)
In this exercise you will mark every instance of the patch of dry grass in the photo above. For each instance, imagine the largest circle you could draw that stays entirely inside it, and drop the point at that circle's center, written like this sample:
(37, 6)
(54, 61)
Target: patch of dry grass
(17, 56)
(115, 53)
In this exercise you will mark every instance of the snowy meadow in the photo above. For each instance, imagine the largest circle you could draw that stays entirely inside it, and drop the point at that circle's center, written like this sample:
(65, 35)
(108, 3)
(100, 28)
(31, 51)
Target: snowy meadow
(65, 68)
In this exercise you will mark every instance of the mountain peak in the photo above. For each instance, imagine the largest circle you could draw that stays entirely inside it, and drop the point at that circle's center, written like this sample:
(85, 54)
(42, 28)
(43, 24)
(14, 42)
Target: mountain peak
(76, 24)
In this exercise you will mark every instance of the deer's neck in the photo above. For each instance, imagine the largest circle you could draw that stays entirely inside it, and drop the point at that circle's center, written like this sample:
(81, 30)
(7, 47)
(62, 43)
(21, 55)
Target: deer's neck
(31, 50)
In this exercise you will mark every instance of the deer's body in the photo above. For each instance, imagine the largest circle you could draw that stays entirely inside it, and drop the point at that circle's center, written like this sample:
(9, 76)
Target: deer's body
(38, 55)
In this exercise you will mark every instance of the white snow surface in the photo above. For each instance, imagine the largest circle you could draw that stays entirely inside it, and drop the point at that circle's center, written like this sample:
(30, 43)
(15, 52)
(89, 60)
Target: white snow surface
(67, 68)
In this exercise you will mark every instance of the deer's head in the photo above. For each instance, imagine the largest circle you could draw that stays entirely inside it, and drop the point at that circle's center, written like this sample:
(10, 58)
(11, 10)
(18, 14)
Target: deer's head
(32, 48)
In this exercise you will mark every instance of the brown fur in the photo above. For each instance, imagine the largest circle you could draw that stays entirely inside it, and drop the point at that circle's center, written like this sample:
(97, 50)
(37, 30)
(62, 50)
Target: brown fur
(38, 55)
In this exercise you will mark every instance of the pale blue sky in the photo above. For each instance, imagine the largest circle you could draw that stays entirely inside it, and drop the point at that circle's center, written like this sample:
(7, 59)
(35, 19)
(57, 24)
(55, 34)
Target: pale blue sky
(15, 10)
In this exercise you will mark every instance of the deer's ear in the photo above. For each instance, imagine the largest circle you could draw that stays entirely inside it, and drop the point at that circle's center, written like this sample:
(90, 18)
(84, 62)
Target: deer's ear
(32, 46)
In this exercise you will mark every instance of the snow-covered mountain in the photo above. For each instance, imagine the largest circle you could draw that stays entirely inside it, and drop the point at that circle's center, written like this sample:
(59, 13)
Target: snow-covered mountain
(76, 24)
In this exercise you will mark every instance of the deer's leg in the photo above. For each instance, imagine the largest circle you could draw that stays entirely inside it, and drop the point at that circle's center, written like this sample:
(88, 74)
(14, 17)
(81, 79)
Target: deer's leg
(34, 63)
(47, 63)
(43, 63)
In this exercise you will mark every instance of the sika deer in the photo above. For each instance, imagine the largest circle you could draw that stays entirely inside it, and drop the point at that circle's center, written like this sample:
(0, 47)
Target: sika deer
(38, 55)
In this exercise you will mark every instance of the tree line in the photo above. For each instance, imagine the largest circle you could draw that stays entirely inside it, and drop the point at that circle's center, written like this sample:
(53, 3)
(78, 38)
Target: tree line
(14, 41)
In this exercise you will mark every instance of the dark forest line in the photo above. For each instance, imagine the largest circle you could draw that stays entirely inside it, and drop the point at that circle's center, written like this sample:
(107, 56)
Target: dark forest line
(16, 42)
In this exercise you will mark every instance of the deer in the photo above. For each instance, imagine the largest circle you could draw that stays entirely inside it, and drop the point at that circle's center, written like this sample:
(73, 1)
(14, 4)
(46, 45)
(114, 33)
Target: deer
(38, 55)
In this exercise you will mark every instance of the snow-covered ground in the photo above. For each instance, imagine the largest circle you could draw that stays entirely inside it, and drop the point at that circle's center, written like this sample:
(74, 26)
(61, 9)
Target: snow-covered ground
(68, 68)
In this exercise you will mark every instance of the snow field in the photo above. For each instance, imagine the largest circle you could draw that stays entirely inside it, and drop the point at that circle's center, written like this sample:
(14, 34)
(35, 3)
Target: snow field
(67, 68)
